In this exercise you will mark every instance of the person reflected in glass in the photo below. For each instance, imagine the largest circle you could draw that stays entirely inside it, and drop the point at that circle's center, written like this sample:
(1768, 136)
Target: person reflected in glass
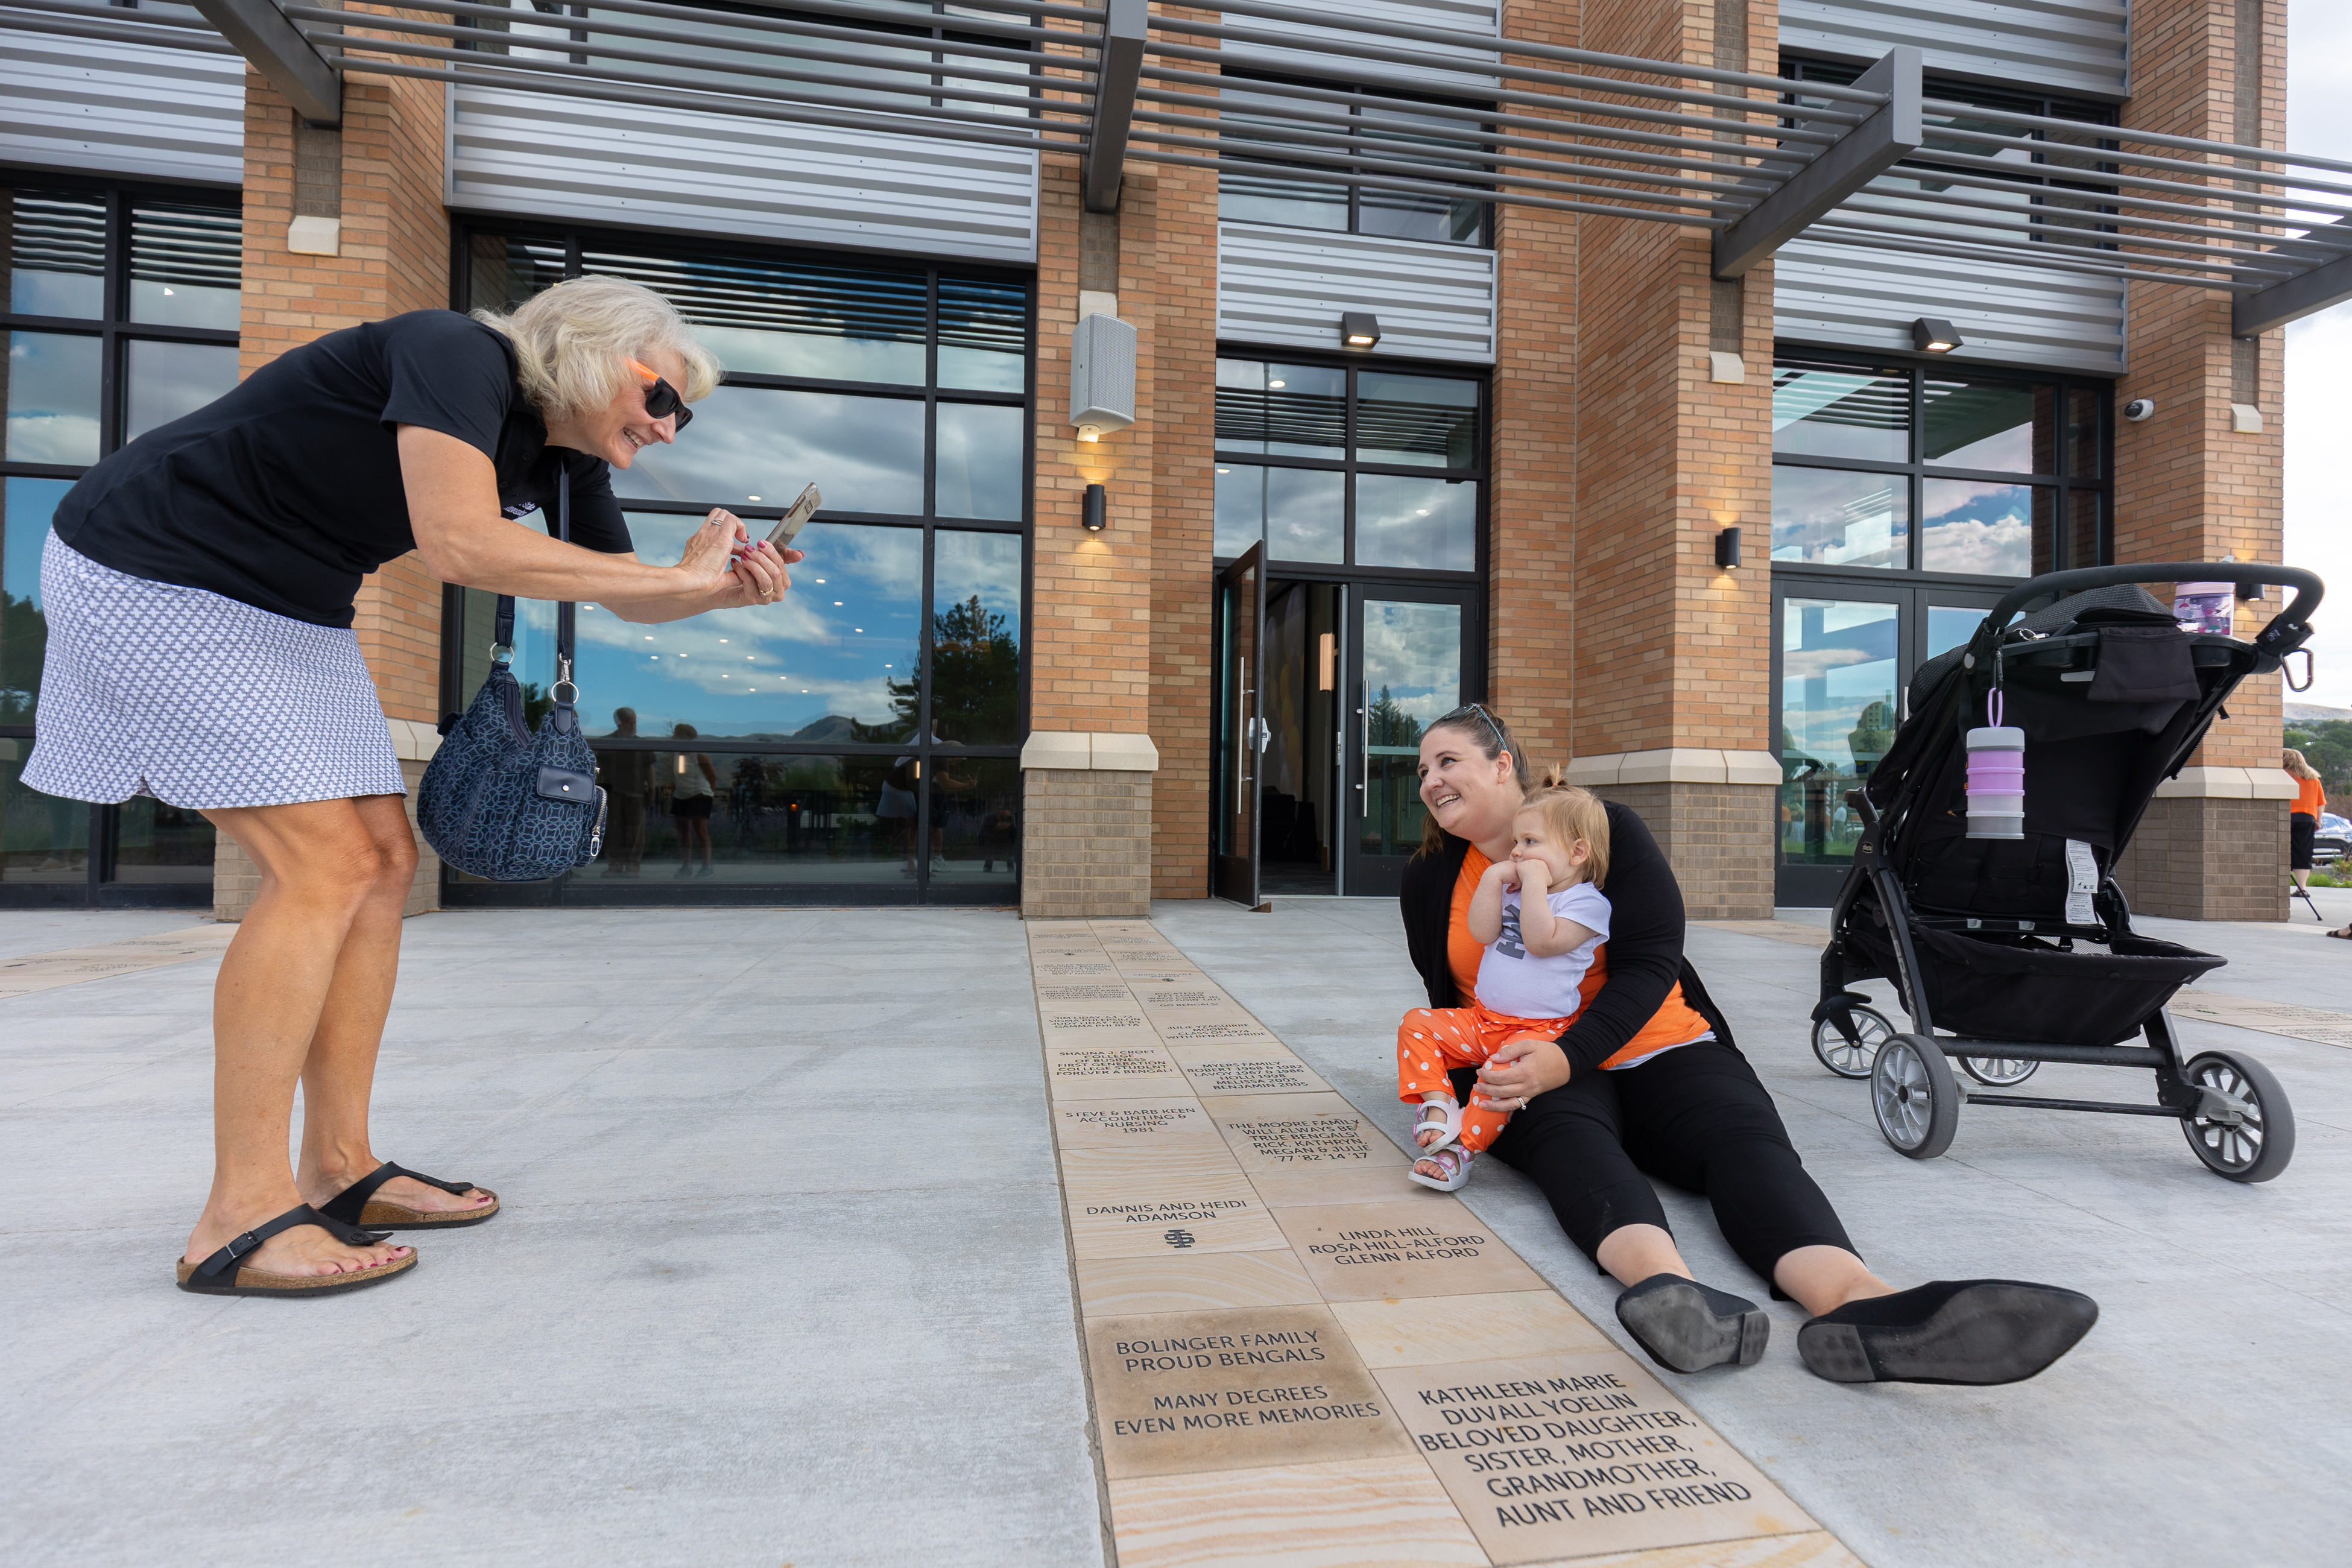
(199, 590)
(1000, 839)
(693, 785)
(627, 777)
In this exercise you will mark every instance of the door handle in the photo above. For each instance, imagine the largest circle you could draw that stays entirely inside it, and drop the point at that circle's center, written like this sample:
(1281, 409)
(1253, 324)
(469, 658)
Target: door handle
(1364, 771)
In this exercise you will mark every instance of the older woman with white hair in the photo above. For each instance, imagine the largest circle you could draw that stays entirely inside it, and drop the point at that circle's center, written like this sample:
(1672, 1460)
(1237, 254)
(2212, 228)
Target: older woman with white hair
(198, 587)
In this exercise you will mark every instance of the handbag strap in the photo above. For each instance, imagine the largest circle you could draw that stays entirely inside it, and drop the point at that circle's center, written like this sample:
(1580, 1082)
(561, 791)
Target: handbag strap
(566, 612)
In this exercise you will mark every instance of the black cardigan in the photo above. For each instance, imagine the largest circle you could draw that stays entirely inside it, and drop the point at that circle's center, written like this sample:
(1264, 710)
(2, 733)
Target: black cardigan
(1645, 946)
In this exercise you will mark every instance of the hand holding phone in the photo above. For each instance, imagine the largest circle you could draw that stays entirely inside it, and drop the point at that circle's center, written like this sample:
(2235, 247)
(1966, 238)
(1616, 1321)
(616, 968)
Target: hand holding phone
(795, 518)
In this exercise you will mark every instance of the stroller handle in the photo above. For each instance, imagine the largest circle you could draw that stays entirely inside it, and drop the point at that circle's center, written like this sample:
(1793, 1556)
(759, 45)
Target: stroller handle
(2287, 631)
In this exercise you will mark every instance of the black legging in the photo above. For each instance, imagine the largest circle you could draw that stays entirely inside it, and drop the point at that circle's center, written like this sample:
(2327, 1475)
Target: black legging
(1694, 1116)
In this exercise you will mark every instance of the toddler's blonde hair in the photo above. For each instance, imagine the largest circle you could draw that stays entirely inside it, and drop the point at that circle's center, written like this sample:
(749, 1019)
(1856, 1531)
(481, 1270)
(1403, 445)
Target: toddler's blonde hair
(1569, 814)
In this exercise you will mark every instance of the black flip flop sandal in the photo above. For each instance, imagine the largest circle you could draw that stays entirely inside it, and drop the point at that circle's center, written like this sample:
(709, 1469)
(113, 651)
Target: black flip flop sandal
(1688, 1327)
(1975, 1332)
(357, 1204)
(223, 1274)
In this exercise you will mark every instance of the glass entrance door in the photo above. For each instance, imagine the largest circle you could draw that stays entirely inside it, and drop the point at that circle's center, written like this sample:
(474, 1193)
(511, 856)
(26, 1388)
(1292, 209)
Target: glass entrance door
(1410, 658)
(1241, 728)
(1845, 655)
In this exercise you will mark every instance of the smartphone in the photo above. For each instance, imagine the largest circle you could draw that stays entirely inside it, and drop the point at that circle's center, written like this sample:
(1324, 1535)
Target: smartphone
(795, 519)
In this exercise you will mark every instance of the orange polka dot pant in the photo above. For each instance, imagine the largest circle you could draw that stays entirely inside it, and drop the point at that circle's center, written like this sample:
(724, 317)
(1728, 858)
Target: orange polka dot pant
(1431, 1041)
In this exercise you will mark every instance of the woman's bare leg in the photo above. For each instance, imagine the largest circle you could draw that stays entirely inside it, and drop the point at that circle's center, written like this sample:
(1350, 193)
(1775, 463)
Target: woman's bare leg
(1632, 1253)
(340, 1072)
(321, 863)
(1823, 1278)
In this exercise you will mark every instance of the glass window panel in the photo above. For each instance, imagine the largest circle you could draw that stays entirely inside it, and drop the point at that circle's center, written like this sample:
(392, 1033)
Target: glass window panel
(2085, 546)
(185, 265)
(1282, 410)
(1829, 517)
(1984, 529)
(155, 842)
(1830, 413)
(1268, 198)
(1837, 719)
(168, 380)
(1950, 626)
(1297, 511)
(769, 318)
(1431, 524)
(53, 384)
(1412, 673)
(976, 828)
(1990, 425)
(983, 457)
(983, 335)
(976, 638)
(56, 242)
(25, 506)
(694, 811)
(864, 453)
(884, 73)
(504, 270)
(1406, 215)
(43, 837)
(2083, 407)
(1425, 420)
(835, 660)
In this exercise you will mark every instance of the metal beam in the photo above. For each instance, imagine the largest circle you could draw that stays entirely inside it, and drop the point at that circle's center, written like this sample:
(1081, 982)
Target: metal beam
(1892, 133)
(1118, 68)
(2291, 298)
(272, 46)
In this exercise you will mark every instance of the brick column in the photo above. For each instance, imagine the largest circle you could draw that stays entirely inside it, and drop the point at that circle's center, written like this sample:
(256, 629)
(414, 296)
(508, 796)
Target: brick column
(342, 228)
(1087, 839)
(2191, 483)
(1671, 653)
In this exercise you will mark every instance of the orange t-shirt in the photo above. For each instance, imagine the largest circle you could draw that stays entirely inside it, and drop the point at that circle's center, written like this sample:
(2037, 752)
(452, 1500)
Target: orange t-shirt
(2310, 798)
(1675, 1023)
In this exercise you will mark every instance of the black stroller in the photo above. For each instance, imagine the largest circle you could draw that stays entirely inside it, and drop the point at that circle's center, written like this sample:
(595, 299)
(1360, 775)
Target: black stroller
(2020, 951)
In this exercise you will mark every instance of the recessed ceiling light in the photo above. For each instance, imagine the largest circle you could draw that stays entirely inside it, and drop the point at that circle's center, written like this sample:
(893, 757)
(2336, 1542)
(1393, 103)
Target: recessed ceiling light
(837, 603)
(1224, 470)
(750, 497)
(1277, 384)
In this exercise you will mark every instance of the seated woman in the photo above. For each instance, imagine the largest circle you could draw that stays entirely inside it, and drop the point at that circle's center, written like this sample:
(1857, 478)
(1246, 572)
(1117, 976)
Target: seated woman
(1647, 1082)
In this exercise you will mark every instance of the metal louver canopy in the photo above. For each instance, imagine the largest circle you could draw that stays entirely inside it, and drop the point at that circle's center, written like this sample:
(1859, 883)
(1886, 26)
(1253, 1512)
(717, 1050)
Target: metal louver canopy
(1756, 160)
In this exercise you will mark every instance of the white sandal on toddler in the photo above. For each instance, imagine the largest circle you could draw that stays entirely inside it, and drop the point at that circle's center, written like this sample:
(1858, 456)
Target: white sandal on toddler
(1454, 1159)
(1447, 1123)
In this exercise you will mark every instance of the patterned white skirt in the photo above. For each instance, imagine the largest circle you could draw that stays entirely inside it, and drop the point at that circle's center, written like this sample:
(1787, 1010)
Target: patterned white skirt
(199, 700)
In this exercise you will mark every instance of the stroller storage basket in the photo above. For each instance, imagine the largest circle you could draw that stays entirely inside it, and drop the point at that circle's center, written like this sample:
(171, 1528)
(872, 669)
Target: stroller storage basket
(2011, 990)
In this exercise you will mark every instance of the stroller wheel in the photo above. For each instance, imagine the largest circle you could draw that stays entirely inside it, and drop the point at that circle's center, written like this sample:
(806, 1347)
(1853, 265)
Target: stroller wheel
(1914, 1096)
(1851, 1058)
(2261, 1141)
(1998, 1072)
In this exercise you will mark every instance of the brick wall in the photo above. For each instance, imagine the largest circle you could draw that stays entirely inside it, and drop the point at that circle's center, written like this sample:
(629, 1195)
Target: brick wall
(2170, 867)
(1086, 844)
(1709, 833)
(2188, 485)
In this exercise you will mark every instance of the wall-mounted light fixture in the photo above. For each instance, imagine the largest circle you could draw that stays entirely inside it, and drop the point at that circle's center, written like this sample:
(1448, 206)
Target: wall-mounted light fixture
(1360, 329)
(1727, 548)
(1102, 377)
(1932, 336)
(1091, 514)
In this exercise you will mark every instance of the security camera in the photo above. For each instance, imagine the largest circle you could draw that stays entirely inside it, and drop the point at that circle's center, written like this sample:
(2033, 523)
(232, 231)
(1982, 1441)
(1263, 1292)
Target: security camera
(2139, 409)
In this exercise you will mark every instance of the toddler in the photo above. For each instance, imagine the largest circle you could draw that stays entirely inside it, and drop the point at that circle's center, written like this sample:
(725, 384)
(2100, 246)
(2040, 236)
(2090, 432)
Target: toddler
(1540, 915)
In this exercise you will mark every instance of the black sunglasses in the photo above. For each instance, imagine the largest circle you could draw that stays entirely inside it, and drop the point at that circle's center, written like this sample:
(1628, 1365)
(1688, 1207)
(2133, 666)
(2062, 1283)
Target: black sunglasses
(662, 400)
(1464, 712)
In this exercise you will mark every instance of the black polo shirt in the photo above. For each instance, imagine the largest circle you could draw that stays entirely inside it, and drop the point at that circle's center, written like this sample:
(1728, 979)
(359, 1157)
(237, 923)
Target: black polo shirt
(287, 491)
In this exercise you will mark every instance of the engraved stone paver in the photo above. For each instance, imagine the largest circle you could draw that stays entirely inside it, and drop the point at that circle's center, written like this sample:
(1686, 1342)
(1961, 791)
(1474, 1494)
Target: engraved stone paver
(1299, 1355)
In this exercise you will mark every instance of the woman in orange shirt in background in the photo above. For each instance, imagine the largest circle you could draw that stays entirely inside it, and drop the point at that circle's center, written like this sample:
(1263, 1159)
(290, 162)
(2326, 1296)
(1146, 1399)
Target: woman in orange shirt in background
(2310, 800)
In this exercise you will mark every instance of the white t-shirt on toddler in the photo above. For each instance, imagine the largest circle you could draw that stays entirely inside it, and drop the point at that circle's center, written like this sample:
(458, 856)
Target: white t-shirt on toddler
(1516, 983)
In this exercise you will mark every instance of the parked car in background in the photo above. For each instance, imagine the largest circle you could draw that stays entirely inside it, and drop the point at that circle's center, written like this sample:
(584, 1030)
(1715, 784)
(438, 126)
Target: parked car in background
(2332, 841)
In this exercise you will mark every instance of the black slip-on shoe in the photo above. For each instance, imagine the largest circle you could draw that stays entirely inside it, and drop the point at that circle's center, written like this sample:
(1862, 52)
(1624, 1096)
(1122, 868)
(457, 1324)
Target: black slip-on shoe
(1948, 1331)
(1688, 1327)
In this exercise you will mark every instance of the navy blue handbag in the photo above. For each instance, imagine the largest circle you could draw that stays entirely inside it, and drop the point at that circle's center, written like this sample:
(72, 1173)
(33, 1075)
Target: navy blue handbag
(499, 802)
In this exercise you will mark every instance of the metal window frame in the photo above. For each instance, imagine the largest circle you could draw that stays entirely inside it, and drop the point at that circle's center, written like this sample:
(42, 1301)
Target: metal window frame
(1918, 471)
(99, 888)
(576, 240)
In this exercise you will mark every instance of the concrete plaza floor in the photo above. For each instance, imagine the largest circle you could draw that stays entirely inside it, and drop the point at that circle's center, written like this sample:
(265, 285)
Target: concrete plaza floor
(784, 1278)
